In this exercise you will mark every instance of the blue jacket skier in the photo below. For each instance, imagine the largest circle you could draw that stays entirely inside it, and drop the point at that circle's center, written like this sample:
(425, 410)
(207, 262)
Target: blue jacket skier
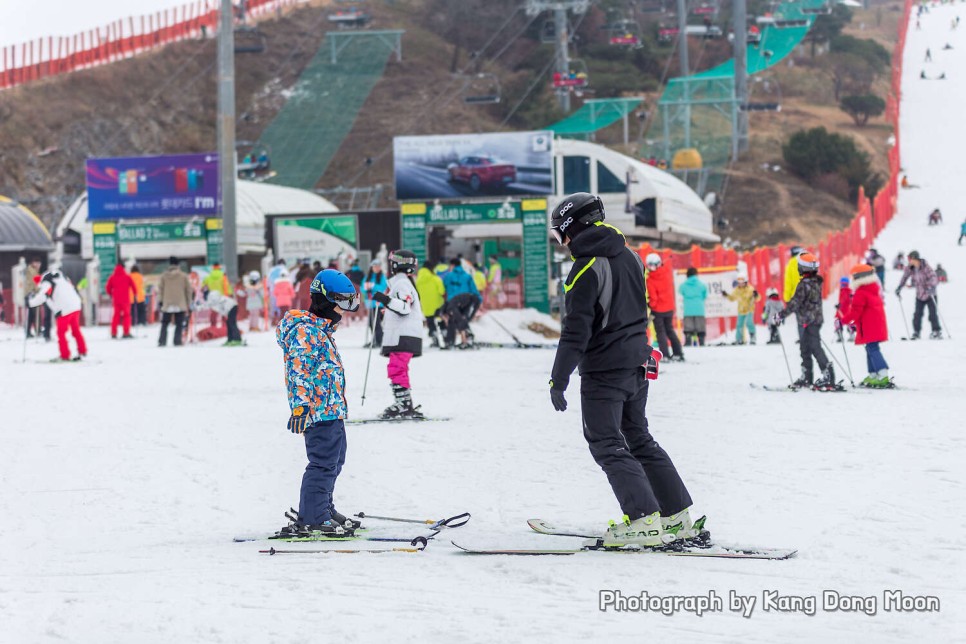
(315, 381)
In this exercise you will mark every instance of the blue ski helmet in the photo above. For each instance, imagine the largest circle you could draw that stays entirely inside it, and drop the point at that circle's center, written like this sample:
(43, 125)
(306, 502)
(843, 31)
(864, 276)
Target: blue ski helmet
(337, 288)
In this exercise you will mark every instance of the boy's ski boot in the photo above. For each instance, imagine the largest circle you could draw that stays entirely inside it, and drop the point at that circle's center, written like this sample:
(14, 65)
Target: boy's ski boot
(298, 531)
(645, 532)
(880, 380)
(683, 529)
(403, 407)
(340, 519)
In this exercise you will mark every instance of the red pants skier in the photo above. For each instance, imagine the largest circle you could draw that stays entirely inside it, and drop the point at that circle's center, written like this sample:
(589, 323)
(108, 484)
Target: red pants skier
(70, 321)
(122, 316)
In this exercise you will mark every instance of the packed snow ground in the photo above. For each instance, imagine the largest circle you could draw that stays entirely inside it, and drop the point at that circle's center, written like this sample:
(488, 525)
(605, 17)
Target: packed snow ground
(123, 480)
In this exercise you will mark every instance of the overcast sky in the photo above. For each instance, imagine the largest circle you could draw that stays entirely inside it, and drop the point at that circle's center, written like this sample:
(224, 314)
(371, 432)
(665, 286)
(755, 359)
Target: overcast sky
(24, 20)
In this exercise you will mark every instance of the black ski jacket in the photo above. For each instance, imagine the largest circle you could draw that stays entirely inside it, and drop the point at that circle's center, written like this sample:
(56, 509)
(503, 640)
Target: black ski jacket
(605, 327)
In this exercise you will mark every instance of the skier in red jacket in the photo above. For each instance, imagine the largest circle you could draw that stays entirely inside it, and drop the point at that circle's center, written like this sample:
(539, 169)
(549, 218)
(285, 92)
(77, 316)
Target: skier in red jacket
(842, 310)
(660, 299)
(867, 313)
(121, 288)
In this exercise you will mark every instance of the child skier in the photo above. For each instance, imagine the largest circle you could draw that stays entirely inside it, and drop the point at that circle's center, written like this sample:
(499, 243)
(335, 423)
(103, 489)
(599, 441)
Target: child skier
(807, 304)
(773, 306)
(867, 313)
(842, 309)
(316, 395)
(402, 331)
(746, 297)
(255, 301)
(693, 294)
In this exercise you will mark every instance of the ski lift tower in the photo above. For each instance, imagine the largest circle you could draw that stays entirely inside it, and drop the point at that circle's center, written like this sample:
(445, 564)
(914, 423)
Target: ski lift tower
(562, 40)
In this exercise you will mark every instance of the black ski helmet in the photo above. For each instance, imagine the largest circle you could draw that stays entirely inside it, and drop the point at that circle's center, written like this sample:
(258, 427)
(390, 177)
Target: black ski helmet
(402, 261)
(575, 214)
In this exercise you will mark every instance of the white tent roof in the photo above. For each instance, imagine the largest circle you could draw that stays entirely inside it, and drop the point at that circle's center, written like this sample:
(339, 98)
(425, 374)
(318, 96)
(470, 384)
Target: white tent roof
(254, 201)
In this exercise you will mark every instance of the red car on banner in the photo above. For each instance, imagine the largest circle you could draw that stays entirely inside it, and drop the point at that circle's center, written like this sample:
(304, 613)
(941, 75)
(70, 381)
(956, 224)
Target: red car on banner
(482, 172)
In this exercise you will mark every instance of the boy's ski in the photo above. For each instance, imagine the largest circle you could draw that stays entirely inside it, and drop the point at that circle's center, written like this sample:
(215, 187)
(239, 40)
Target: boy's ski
(416, 419)
(342, 538)
(345, 551)
(683, 551)
(512, 345)
(787, 388)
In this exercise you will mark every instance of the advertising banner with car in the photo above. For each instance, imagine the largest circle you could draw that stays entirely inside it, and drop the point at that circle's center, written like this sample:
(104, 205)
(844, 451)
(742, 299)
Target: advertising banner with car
(158, 186)
(457, 166)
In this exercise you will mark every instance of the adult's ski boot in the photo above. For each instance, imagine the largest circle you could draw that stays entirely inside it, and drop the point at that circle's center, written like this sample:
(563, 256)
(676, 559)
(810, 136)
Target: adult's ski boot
(645, 532)
(804, 381)
(936, 335)
(683, 529)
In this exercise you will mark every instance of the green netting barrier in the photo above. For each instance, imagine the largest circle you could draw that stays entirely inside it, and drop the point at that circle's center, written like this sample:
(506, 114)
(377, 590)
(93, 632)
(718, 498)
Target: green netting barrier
(320, 112)
(595, 114)
(698, 111)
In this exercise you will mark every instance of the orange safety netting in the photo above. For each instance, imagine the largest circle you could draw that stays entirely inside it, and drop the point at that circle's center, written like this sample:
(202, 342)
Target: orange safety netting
(45, 57)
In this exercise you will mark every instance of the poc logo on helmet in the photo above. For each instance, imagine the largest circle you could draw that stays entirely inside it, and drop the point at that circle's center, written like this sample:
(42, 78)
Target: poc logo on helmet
(566, 223)
(563, 211)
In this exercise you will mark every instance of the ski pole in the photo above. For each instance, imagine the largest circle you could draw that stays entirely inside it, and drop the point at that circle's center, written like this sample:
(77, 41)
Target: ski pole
(791, 379)
(515, 338)
(846, 354)
(365, 382)
(452, 522)
(26, 331)
(841, 366)
(935, 303)
(902, 310)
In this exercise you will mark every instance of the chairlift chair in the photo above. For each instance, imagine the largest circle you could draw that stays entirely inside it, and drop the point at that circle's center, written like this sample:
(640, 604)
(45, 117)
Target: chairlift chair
(626, 33)
(249, 40)
(482, 89)
(576, 78)
(349, 18)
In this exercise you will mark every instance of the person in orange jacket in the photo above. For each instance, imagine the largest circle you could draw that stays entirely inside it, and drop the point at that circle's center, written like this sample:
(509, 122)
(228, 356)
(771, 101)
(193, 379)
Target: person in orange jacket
(121, 288)
(139, 308)
(660, 299)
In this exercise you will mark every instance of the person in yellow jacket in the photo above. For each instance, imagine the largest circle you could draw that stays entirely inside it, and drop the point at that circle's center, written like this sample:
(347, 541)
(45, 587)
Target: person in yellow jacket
(479, 278)
(432, 297)
(217, 281)
(139, 307)
(792, 278)
(746, 297)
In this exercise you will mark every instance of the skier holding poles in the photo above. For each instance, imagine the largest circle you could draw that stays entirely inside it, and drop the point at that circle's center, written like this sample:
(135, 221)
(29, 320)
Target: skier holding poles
(604, 334)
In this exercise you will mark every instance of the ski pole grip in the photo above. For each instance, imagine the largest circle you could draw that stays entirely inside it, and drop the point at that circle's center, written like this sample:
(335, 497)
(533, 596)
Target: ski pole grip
(454, 521)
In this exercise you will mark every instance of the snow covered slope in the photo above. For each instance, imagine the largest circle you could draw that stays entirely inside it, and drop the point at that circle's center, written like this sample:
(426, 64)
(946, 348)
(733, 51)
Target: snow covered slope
(123, 481)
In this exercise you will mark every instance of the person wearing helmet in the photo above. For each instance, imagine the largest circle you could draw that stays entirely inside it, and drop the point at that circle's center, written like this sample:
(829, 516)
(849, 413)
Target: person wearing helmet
(921, 275)
(842, 310)
(661, 301)
(773, 307)
(604, 336)
(315, 381)
(402, 331)
(254, 301)
(806, 304)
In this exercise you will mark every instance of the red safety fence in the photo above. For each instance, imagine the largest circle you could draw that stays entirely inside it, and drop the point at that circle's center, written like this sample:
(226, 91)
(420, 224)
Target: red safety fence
(840, 250)
(52, 56)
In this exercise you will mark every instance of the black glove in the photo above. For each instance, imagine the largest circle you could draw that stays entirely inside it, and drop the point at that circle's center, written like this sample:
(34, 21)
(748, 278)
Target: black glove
(755, 293)
(558, 400)
(382, 298)
(724, 293)
(296, 422)
(899, 292)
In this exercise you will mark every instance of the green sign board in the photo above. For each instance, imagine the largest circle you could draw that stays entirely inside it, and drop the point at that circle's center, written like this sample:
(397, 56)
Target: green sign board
(323, 237)
(105, 249)
(214, 241)
(472, 213)
(159, 232)
(536, 266)
(414, 235)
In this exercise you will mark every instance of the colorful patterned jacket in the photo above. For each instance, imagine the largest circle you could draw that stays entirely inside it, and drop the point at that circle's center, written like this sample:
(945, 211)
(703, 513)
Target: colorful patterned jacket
(313, 368)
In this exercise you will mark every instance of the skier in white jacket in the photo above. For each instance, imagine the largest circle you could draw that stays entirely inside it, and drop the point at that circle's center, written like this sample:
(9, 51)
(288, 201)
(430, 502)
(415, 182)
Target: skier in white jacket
(58, 293)
(402, 331)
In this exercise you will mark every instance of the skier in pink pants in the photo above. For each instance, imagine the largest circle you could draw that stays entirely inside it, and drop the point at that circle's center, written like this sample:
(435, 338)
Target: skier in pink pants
(402, 331)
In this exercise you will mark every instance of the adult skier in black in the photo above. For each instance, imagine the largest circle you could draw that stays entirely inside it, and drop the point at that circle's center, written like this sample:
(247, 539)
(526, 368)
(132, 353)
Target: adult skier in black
(604, 334)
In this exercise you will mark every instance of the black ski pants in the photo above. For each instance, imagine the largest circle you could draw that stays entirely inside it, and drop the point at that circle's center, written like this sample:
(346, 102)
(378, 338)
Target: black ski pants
(459, 311)
(664, 328)
(640, 472)
(811, 346)
(920, 309)
(166, 318)
(233, 334)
